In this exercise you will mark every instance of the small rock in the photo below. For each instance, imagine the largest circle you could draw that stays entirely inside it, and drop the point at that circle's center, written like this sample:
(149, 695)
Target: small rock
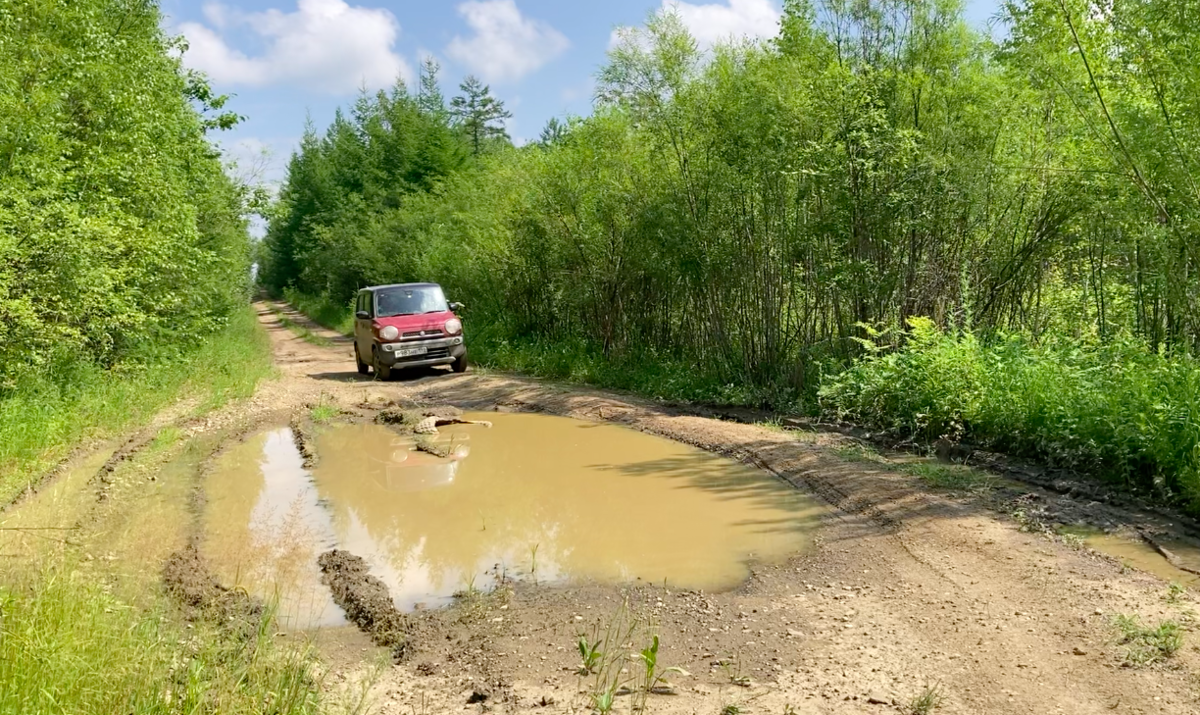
(1079, 651)
(878, 699)
(477, 697)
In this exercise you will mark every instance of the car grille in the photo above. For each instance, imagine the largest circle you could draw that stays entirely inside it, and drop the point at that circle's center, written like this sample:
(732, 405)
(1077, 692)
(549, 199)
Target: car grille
(422, 334)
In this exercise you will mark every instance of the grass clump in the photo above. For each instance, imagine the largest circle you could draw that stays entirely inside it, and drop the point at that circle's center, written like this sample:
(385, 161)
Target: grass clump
(1144, 645)
(41, 418)
(302, 332)
(323, 412)
(930, 699)
(955, 477)
(68, 646)
(1115, 410)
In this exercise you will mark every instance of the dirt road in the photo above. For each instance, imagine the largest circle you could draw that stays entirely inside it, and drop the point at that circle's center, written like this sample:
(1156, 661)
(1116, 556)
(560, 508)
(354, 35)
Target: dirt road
(908, 591)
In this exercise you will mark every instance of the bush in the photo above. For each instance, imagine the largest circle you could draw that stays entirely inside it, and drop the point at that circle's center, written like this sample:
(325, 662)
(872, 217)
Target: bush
(1115, 410)
(326, 311)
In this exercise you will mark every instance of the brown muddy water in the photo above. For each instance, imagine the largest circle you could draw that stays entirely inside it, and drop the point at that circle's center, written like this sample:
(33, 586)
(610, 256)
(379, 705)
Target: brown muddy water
(533, 497)
(1142, 556)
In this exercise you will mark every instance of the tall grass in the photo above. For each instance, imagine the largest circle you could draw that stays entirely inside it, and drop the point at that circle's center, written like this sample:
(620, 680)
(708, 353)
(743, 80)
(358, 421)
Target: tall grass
(68, 646)
(330, 313)
(41, 419)
(1115, 410)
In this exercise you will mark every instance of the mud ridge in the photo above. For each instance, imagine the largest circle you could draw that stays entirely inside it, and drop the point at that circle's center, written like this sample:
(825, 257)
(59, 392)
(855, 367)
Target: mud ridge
(189, 582)
(366, 600)
(409, 418)
(302, 435)
(129, 450)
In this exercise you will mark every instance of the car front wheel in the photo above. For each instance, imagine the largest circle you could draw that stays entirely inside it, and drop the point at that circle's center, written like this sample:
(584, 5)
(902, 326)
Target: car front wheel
(383, 372)
(459, 364)
(363, 368)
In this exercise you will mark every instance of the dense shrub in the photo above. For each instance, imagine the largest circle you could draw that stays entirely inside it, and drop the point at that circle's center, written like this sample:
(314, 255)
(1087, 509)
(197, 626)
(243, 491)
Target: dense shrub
(1112, 409)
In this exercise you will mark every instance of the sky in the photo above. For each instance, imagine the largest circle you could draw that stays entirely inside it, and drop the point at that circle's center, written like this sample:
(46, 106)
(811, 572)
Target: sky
(285, 61)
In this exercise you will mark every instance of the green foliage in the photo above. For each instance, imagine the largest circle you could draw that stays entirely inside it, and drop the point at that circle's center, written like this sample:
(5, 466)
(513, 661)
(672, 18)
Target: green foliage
(727, 224)
(120, 232)
(41, 419)
(479, 114)
(1144, 645)
(333, 315)
(68, 646)
(1112, 409)
(930, 699)
(589, 655)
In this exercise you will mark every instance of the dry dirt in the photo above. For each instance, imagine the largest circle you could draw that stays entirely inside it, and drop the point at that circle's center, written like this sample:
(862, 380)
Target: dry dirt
(906, 590)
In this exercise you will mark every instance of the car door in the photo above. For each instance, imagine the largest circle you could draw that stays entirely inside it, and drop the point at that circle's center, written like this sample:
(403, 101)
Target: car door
(362, 328)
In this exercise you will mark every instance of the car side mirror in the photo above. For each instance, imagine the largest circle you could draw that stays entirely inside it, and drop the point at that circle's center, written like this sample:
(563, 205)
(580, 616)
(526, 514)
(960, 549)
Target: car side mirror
(457, 306)
(362, 315)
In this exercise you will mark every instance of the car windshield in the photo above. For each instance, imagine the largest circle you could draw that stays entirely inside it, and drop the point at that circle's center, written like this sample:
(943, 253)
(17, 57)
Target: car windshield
(409, 301)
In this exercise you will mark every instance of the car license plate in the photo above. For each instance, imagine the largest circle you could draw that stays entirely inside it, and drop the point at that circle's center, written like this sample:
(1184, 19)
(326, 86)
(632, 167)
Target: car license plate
(409, 352)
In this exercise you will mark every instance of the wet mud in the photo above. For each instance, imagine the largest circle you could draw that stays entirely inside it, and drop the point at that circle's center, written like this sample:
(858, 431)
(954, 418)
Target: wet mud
(189, 583)
(366, 600)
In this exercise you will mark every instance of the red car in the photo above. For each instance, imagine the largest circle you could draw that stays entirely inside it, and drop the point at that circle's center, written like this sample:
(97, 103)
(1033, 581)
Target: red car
(407, 325)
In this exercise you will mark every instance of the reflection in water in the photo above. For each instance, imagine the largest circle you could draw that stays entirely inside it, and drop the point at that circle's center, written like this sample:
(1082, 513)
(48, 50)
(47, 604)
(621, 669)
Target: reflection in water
(553, 499)
(532, 497)
(265, 529)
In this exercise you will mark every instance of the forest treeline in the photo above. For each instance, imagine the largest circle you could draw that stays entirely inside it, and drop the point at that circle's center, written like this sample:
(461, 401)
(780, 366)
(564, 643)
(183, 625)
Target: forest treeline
(120, 231)
(750, 221)
(124, 251)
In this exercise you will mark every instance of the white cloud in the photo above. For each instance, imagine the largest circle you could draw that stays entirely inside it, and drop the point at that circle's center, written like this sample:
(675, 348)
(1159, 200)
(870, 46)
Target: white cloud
(327, 45)
(713, 23)
(506, 45)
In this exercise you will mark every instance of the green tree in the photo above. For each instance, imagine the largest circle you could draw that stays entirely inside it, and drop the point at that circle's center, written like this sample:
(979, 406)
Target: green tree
(554, 132)
(480, 115)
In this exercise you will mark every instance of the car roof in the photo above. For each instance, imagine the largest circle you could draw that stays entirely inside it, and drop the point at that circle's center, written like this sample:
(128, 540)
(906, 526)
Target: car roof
(402, 285)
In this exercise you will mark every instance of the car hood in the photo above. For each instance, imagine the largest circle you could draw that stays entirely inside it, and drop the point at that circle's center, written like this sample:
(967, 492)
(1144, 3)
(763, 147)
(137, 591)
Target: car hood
(412, 323)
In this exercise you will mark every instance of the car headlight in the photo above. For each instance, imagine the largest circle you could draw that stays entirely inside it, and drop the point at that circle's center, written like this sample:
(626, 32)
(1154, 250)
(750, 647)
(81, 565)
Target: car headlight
(453, 326)
(390, 332)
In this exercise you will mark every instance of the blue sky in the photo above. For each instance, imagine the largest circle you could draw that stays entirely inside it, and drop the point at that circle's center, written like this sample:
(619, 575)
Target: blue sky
(285, 60)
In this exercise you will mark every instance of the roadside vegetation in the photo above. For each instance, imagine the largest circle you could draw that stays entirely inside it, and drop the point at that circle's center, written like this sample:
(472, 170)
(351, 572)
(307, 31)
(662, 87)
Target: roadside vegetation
(125, 274)
(68, 646)
(1147, 645)
(43, 418)
(124, 287)
(881, 215)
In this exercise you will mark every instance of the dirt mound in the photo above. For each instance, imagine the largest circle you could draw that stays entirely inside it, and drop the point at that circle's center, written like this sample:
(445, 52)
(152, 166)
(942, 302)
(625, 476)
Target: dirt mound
(365, 599)
(188, 581)
(410, 418)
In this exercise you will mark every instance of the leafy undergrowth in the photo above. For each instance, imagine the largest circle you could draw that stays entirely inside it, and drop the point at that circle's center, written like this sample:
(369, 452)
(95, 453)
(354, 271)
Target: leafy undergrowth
(329, 313)
(41, 419)
(1116, 410)
(649, 374)
(68, 646)
(1145, 645)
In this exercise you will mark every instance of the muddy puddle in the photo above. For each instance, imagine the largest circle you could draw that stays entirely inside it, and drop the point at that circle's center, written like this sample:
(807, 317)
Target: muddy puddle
(1141, 555)
(533, 497)
(264, 529)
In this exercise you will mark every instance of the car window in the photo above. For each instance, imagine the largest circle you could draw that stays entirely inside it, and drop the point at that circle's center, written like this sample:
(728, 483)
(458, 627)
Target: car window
(410, 301)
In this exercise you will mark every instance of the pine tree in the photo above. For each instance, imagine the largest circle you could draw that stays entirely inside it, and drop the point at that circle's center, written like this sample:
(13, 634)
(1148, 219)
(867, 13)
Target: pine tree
(479, 114)
(554, 132)
(429, 96)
